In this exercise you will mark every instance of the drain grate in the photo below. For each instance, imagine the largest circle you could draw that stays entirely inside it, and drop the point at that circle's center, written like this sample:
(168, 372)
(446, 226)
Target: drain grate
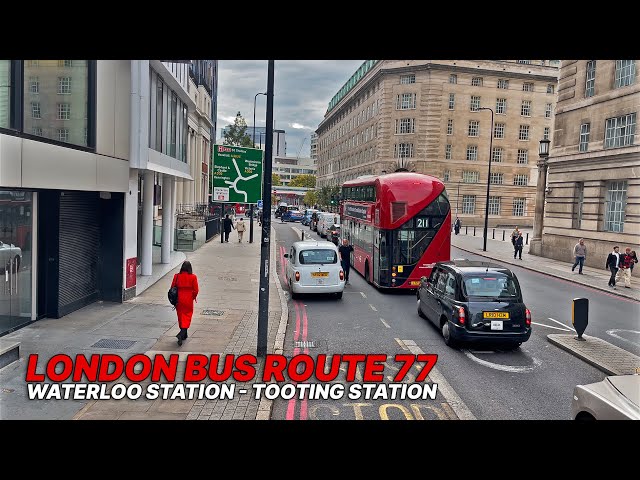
(217, 313)
(113, 343)
(306, 344)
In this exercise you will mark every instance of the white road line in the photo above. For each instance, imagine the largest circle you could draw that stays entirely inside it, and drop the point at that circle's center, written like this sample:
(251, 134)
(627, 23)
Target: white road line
(560, 323)
(385, 323)
(551, 326)
(401, 343)
(616, 330)
(504, 368)
(363, 295)
(453, 399)
(373, 308)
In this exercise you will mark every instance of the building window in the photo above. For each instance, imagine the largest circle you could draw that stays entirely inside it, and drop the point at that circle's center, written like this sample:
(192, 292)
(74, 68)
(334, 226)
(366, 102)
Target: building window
(525, 109)
(35, 110)
(64, 85)
(547, 110)
(475, 103)
(518, 207)
(615, 206)
(447, 152)
(520, 179)
(501, 105)
(474, 128)
(494, 205)
(453, 78)
(403, 150)
(585, 129)
(446, 175)
(405, 125)
(34, 85)
(496, 178)
(65, 63)
(64, 111)
(498, 131)
(503, 84)
(524, 62)
(620, 131)
(496, 155)
(37, 131)
(63, 134)
(577, 206)
(472, 152)
(450, 126)
(470, 177)
(407, 79)
(550, 88)
(452, 101)
(523, 156)
(469, 204)
(590, 84)
(625, 72)
(476, 81)
(405, 101)
(524, 132)
(527, 87)
(547, 132)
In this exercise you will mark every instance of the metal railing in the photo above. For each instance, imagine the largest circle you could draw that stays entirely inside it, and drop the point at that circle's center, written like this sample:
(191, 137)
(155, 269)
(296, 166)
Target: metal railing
(492, 232)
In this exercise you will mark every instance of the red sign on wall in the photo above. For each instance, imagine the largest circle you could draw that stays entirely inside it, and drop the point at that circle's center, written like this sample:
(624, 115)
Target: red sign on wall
(131, 272)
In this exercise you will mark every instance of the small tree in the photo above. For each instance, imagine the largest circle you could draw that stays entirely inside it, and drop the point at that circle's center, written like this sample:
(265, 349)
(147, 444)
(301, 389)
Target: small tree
(305, 180)
(311, 198)
(236, 134)
(275, 180)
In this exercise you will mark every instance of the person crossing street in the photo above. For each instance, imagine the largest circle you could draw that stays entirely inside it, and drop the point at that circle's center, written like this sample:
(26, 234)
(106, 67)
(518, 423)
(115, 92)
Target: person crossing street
(345, 258)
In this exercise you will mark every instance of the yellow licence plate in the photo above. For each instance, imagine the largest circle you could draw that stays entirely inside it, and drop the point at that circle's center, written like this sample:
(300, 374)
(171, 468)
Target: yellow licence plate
(415, 283)
(320, 274)
(495, 314)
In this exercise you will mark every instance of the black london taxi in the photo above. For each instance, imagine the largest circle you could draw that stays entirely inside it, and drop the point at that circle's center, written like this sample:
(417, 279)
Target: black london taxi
(475, 301)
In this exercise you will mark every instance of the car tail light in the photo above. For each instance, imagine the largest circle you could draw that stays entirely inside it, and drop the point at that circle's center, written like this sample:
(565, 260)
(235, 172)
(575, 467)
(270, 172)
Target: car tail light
(461, 315)
(297, 276)
(341, 275)
(527, 316)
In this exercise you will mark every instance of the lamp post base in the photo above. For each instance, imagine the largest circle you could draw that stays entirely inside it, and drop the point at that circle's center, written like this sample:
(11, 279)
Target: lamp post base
(535, 247)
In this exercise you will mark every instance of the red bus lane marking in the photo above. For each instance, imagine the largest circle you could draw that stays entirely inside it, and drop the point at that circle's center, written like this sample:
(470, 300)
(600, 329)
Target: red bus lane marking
(303, 405)
(282, 269)
(291, 407)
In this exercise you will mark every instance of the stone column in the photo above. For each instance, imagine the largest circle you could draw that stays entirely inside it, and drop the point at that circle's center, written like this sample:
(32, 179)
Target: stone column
(535, 247)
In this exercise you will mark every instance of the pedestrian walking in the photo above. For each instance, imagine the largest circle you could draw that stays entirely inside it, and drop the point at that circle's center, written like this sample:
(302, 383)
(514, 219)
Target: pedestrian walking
(345, 259)
(457, 225)
(518, 245)
(613, 262)
(514, 236)
(240, 227)
(626, 260)
(187, 284)
(634, 259)
(227, 226)
(580, 252)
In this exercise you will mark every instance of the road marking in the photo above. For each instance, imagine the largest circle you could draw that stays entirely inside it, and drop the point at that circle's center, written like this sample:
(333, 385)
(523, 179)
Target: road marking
(616, 330)
(385, 323)
(551, 326)
(453, 399)
(373, 308)
(504, 368)
(560, 323)
(363, 295)
(401, 343)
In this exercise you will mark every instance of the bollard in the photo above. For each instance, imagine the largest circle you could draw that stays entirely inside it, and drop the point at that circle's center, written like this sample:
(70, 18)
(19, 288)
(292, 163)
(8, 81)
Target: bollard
(503, 235)
(580, 316)
(494, 234)
(474, 231)
(302, 235)
(527, 238)
(466, 230)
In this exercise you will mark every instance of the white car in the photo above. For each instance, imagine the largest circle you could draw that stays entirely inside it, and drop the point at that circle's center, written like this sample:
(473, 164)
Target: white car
(10, 255)
(314, 267)
(615, 398)
(326, 220)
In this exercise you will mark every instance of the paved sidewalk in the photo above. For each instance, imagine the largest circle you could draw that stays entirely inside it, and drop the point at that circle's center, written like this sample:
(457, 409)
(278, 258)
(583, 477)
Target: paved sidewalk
(224, 322)
(503, 252)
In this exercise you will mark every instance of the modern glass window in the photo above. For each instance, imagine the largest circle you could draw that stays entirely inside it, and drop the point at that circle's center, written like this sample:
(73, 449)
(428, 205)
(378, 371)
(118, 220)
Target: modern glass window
(503, 84)
(159, 113)
(625, 73)
(63, 134)
(405, 125)
(550, 88)
(525, 109)
(496, 178)
(520, 179)
(620, 131)
(405, 101)
(494, 205)
(472, 152)
(469, 204)
(34, 85)
(590, 82)
(407, 79)
(615, 206)
(452, 101)
(519, 207)
(497, 155)
(527, 87)
(523, 134)
(474, 128)
(475, 103)
(501, 105)
(547, 132)
(450, 126)
(64, 85)
(548, 109)
(498, 130)
(470, 177)
(453, 78)
(523, 156)
(585, 130)
(446, 175)
(476, 81)
(403, 150)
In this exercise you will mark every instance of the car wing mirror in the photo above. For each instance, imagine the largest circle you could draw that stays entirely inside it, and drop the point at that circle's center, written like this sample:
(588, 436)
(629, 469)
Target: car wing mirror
(286, 255)
(424, 280)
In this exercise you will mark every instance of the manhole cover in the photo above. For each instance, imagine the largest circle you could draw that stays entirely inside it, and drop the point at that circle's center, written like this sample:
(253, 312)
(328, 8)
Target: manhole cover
(217, 313)
(113, 343)
(228, 279)
(305, 344)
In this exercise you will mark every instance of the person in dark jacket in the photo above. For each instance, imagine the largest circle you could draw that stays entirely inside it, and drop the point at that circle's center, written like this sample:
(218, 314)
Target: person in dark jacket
(457, 226)
(518, 245)
(613, 264)
(626, 261)
(188, 289)
(345, 258)
(227, 226)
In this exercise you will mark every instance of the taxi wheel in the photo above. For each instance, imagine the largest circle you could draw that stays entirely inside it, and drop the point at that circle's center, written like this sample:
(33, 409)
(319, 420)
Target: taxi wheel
(420, 310)
(446, 334)
(294, 295)
(339, 295)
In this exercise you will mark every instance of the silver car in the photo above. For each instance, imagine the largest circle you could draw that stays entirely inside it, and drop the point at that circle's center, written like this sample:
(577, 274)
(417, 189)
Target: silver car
(615, 398)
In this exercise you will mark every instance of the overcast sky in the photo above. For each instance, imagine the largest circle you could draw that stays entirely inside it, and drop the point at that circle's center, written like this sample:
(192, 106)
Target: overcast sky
(302, 91)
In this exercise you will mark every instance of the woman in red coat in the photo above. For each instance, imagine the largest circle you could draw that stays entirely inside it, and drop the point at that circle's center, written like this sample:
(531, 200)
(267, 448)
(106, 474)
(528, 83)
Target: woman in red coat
(187, 284)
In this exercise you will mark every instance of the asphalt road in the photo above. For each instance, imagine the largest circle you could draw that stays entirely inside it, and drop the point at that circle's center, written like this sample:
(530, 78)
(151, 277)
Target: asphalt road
(534, 382)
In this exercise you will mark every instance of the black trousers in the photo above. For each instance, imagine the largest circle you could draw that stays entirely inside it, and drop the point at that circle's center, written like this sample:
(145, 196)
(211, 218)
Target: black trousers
(518, 251)
(614, 271)
(226, 235)
(346, 266)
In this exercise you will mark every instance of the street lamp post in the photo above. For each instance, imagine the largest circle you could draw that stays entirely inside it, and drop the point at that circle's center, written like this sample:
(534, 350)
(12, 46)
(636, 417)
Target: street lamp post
(535, 247)
(486, 210)
(253, 141)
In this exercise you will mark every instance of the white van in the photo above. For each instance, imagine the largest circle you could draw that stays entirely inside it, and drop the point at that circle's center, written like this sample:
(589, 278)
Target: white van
(314, 267)
(325, 221)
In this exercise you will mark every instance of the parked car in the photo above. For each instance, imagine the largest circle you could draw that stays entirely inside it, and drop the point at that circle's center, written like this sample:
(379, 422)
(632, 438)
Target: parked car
(10, 257)
(333, 234)
(313, 267)
(614, 398)
(306, 220)
(292, 216)
(325, 220)
(475, 301)
(281, 209)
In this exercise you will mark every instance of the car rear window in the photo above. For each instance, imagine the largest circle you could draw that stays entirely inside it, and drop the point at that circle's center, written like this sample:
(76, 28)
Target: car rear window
(318, 256)
(489, 285)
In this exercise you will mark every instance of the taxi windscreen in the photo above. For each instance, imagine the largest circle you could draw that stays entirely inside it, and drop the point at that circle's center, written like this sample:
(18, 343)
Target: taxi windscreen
(318, 256)
(489, 285)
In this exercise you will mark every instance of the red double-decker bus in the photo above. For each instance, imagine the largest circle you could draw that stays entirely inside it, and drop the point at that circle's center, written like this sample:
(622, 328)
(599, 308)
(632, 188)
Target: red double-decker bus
(399, 225)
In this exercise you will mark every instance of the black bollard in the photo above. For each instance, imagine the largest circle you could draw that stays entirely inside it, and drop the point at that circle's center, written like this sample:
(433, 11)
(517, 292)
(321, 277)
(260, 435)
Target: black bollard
(527, 238)
(580, 316)
(503, 235)
(474, 231)
(466, 230)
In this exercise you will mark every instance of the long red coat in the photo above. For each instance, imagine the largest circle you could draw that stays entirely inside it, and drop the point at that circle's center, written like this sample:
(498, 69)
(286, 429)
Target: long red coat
(187, 284)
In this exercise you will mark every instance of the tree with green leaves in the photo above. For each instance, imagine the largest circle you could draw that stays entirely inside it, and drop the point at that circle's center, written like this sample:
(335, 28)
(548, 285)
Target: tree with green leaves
(275, 180)
(237, 135)
(305, 180)
(311, 198)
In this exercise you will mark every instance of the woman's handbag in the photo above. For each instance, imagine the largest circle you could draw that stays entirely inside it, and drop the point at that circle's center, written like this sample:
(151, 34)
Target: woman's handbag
(172, 294)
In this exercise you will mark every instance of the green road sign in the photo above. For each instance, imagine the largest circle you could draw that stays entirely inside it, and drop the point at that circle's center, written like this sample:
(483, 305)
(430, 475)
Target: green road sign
(237, 174)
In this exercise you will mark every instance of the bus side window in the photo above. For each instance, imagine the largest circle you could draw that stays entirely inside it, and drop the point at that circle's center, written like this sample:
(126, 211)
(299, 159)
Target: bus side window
(383, 245)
